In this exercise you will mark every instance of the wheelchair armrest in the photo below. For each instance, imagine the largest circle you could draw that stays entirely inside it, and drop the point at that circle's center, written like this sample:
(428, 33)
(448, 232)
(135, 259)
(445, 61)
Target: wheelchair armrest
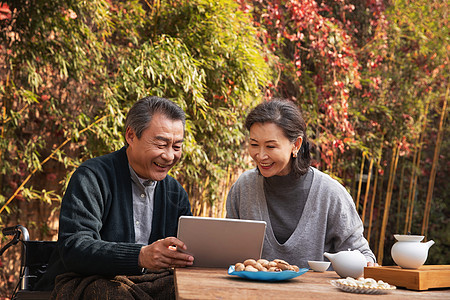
(10, 230)
(17, 230)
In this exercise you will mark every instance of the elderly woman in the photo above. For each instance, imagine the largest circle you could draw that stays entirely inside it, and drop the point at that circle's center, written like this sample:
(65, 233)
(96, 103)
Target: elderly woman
(306, 211)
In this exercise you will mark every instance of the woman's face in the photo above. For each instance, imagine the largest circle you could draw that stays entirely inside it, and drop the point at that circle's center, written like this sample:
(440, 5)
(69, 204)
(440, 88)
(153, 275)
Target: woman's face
(271, 149)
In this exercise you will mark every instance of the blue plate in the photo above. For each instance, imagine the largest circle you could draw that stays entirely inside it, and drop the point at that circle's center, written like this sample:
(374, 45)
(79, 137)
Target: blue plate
(267, 276)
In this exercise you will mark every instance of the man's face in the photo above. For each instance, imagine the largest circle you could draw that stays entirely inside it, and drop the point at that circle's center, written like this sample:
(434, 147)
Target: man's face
(158, 149)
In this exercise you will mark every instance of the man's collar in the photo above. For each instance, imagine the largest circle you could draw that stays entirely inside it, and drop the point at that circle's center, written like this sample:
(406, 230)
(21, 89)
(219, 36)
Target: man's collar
(140, 181)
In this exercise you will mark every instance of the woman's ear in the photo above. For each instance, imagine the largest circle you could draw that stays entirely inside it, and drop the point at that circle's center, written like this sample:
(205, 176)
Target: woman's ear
(298, 143)
(296, 146)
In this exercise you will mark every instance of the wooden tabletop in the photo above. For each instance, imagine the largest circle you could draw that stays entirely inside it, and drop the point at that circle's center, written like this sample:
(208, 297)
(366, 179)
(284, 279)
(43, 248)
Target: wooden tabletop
(211, 283)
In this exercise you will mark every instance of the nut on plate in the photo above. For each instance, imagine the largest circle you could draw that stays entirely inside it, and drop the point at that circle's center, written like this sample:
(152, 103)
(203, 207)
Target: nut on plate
(251, 268)
(264, 265)
(239, 267)
(368, 283)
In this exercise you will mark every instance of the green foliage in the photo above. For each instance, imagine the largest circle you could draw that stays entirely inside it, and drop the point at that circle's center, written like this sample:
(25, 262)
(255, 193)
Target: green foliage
(74, 68)
(224, 44)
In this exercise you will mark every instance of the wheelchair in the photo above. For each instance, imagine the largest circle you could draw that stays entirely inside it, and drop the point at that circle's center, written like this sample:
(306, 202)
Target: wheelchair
(34, 260)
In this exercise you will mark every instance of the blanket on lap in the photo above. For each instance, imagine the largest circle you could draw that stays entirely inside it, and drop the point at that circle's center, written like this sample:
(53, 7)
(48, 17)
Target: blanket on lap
(155, 285)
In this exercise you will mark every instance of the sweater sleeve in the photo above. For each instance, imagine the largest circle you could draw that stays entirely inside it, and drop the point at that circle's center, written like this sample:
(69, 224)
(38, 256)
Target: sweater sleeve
(345, 228)
(81, 245)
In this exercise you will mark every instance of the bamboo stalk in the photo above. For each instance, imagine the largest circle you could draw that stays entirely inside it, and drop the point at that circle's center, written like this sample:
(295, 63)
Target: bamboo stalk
(354, 178)
(225, 194)
(437, 149)
(369, 175)
(198, 208)
(2, 133)
(414, 176)
(372, 204)
(394, 161)
(379, 205)
(212, 210)
(400, 200)
(360, 180)
(410, 191)
(203, 209)
(2, 136)
(377, 232)
(374, 192)
(380, 249)
(202, 199)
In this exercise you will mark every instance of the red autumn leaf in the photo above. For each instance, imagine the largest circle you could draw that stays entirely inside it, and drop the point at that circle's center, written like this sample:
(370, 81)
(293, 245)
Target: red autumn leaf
(5, 12)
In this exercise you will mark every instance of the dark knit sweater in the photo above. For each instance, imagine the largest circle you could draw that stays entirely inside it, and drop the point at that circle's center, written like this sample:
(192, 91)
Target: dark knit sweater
(96, 228)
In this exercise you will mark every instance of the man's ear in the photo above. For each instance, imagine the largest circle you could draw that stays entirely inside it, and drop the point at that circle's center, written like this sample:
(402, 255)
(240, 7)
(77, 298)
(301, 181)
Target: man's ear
(129, 135)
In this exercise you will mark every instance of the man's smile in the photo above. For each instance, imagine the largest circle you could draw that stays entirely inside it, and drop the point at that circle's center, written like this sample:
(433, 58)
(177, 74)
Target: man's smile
(162, 166)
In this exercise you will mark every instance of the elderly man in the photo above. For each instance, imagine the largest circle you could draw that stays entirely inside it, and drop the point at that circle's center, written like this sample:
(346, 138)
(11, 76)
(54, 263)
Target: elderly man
(120, 213)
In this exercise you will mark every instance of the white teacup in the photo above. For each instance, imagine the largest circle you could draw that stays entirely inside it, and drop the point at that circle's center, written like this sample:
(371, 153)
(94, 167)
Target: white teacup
(319, 266)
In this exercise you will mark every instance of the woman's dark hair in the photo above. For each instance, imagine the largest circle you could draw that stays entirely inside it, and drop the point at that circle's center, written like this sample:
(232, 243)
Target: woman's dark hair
(141, 113)
(286, 115)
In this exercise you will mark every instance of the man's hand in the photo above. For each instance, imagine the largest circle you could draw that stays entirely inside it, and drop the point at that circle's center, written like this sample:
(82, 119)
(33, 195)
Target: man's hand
(163, 254)
(372, 264)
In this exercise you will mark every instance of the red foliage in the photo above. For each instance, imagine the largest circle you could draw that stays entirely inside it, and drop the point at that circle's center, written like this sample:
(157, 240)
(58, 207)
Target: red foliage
(320, 40)
(5, 12)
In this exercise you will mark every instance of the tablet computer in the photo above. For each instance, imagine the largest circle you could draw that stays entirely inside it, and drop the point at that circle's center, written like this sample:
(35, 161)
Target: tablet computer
(219, 242)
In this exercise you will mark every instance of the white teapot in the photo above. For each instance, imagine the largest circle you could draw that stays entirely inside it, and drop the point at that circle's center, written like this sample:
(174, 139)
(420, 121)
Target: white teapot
(408, 252)
(348, 263)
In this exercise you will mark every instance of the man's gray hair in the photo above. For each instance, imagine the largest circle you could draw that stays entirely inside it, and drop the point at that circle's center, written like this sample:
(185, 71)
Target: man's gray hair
(141, 113)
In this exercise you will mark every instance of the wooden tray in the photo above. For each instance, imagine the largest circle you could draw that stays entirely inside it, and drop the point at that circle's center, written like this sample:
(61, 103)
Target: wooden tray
(424, 278)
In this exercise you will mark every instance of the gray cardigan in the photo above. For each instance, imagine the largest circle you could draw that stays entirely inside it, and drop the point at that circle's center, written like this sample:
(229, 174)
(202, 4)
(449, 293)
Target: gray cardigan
(329, 223)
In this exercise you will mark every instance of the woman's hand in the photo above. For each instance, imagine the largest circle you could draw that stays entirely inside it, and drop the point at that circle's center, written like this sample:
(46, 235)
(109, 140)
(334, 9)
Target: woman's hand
(372, 264)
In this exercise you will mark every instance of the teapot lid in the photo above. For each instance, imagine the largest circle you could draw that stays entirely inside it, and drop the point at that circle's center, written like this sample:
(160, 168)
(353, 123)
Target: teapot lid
(408, 238)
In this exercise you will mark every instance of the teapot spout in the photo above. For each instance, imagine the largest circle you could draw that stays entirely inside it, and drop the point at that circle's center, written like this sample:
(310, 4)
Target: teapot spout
(330, 256)
(429, 243)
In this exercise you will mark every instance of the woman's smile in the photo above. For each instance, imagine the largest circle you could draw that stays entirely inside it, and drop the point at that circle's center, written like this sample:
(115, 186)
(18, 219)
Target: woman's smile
(270, 149)
(266, 165)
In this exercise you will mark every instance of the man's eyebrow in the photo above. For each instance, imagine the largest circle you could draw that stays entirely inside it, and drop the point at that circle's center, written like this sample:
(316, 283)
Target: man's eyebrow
(167, 140)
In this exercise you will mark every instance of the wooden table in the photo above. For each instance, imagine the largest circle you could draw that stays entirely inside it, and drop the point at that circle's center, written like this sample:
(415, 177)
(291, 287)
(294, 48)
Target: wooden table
(211, 283)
